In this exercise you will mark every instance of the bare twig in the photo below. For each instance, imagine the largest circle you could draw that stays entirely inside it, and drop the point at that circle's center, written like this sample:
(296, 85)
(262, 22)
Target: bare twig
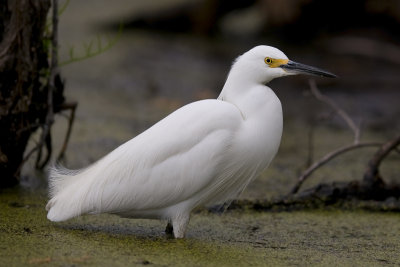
(71, 106)
(65, 106)
(327, 158)
(331, 155)
(371, 175)
(49, 149)
(337, 109)
(92, 50)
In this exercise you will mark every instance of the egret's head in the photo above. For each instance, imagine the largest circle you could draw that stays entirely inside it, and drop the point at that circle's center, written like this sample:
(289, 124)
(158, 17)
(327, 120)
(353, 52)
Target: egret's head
(264, 63)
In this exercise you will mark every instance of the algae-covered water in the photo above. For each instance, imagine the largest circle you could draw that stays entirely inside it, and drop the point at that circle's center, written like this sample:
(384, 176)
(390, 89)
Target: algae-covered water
(245, 238)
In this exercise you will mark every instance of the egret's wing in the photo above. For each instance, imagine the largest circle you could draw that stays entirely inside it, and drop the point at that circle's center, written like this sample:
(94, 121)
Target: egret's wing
(166, 164)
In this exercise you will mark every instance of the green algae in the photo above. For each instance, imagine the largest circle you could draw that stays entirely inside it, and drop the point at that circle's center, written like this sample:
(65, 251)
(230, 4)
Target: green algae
(104, 240)
(238, 238)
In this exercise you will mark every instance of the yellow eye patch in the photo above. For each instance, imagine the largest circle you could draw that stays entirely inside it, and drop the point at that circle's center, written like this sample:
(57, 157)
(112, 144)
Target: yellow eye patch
(275, 62)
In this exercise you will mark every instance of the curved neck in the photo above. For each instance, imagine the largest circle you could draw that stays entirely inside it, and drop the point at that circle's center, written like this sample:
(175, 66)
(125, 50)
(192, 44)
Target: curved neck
(245, 91)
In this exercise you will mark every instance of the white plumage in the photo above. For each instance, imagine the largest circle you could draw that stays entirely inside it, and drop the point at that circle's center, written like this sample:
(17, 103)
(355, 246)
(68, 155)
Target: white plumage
(205, 152)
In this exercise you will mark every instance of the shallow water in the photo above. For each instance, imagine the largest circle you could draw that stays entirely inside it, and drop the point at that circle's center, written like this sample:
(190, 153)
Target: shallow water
(318, 238)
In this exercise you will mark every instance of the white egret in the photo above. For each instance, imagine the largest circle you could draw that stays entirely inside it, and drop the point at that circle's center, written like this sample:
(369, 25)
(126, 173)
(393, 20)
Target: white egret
(205, 152)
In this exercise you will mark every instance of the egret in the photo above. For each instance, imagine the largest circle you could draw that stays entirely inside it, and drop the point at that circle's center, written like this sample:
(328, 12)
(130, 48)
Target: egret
(204, 153)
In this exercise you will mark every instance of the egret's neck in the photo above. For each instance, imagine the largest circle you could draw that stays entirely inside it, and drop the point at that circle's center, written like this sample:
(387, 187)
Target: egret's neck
(247, 93)
(262, 114)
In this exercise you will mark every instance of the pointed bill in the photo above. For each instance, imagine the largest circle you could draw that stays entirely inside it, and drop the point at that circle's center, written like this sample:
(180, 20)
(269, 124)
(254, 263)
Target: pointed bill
(294, 67)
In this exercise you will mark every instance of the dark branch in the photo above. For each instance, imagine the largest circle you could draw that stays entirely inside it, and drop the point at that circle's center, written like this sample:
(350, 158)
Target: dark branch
(71, 106)
(371, 175)
(327, 158)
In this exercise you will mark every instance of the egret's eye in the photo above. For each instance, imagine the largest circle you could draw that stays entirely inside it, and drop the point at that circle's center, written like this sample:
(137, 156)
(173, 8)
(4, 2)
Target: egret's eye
(268, 60)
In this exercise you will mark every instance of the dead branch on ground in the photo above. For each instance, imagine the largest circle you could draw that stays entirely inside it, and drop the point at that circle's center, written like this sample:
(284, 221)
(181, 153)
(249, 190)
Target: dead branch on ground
(333, 154)
(371, 175)
(325, 159)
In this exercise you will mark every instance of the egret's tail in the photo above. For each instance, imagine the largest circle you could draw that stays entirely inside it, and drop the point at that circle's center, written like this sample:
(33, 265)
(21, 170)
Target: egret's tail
(66, 193)
(60, 178)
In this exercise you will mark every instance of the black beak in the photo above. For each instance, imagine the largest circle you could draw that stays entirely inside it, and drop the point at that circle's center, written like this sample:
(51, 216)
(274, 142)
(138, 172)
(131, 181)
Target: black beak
(295, 67)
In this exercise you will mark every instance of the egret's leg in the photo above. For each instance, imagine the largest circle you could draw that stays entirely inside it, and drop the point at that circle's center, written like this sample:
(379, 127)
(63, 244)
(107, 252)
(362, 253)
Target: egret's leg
(169, 230)
(179, 225)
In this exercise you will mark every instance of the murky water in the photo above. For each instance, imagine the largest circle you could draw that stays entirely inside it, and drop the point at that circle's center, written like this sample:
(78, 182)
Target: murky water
(318, 238)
